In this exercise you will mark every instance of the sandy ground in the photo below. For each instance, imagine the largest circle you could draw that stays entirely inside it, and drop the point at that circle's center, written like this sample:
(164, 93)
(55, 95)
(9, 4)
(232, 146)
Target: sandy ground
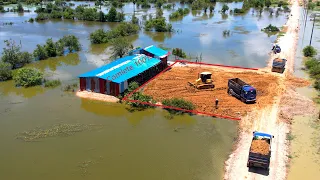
(96, 96)
(273, 119)
(174, 84)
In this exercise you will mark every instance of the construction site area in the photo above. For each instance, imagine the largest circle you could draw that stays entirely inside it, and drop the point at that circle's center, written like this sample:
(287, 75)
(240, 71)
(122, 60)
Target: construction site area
(175, 84)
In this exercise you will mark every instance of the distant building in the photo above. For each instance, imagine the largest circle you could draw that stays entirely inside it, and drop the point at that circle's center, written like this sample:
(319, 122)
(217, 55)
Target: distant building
(141, 65)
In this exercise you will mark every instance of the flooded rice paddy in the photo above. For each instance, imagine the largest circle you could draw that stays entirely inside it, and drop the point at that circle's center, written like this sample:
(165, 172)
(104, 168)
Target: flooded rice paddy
(138, 145)
(305, 144)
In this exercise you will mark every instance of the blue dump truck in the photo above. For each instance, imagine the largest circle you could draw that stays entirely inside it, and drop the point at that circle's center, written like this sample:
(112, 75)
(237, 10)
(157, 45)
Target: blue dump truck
(241, 90)
(260, 150)
(278, 65)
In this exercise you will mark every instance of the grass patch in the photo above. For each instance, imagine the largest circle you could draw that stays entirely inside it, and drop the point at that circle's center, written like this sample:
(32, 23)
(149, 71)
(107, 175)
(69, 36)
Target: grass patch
(52, 83)
(290, 137)
(70, 87)
(281, 34)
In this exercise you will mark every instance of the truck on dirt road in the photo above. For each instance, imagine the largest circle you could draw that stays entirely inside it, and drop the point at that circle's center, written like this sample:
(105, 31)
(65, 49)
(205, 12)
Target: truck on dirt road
(241, 90)
(260, 150)
(278, 65)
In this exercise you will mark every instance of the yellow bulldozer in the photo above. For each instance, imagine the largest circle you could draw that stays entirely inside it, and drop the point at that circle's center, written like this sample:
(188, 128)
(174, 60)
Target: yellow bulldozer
(204, 81)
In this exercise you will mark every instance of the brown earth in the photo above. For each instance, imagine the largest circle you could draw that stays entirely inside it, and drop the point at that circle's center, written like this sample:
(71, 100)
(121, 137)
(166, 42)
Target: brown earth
(174, 84)
(260, 146)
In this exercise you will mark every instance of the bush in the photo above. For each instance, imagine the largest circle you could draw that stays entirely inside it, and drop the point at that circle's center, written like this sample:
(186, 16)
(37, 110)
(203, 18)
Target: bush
(224, 8)
(31, 20)
(52, 83)
(5, 71)
(309, 51)
(124, 29)
(271, 28)
(159, 25)
(179, 52)
(178, 103)
(27, 77)
(70, 87)
(238, 11)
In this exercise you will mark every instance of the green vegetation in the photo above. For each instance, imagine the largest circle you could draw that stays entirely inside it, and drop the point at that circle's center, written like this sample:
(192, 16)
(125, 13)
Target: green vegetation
(158, 24)
(120, 47)
(27, 77)
(58, 11)
(12, 54)
(309, 51)
(31, 20)
(138, 96)
(271, 28)
(224, 8)
(56, 130)
(5, 71)
(52, 83)
(179, 52)
(178, 103)
(53, 49)
(70, 87)
(124, 29)
(311, 5)
(290, 137)
(179, 13)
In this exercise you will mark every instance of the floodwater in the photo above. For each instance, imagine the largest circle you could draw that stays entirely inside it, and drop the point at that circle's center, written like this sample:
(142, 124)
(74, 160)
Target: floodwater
(138, 145)
(305, 147)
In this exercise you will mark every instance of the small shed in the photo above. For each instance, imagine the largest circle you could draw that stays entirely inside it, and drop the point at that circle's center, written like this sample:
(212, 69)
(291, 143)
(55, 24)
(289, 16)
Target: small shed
(154, 51)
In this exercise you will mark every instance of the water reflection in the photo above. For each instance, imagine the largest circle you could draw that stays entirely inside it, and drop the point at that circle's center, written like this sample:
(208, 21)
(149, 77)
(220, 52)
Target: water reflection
(8, 87)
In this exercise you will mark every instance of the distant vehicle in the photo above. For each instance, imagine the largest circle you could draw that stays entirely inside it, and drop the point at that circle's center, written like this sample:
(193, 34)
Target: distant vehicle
(276, 49)
(278, 65)
(260, 150)
(241, 90)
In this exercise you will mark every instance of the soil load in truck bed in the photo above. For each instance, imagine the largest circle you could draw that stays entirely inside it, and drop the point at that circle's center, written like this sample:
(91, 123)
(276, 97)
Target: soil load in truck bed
(260, 146)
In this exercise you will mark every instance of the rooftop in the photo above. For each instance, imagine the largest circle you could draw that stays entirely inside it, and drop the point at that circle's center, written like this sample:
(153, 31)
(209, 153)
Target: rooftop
(123, 69)
(156, 51)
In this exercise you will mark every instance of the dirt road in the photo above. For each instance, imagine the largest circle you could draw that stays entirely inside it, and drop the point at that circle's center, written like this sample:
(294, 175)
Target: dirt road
(268, 120)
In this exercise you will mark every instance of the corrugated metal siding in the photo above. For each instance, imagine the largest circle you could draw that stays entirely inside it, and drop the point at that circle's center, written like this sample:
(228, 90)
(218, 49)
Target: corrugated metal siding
(88, 84)
(108, 87)
(126, 85)
(97, 88)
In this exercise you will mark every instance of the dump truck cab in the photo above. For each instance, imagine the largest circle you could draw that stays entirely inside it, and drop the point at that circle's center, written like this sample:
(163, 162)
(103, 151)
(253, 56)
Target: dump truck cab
(206, 77)
(249, 93)
(241, 90)
(260, 150)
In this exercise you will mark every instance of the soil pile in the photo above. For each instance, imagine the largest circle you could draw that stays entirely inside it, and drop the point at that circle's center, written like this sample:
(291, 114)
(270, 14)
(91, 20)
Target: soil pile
(174, 84)
(260, 146)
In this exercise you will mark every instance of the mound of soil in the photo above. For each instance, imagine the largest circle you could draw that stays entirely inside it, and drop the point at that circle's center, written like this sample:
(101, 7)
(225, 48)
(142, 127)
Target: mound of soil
(260, 146)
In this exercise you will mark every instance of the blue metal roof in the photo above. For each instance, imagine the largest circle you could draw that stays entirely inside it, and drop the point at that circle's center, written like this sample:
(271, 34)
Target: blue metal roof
(124, 68)
(156, 51)
(262, 134)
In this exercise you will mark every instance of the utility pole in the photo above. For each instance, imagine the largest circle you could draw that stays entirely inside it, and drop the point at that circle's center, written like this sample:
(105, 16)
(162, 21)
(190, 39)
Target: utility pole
(314, 20)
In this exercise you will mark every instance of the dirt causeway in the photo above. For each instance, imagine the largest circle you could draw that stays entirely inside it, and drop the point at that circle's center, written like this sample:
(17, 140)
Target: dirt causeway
(174, 84)
(260, 146)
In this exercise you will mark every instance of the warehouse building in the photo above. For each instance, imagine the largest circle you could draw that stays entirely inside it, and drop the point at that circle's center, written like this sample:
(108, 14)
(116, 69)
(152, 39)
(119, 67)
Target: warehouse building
(113, 79)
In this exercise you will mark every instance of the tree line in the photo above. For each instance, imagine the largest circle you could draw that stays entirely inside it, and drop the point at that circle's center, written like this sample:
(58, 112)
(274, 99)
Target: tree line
(13, 59)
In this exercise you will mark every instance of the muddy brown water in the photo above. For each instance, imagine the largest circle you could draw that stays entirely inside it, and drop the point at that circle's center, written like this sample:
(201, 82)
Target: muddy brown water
(305, 145)
(138, 145)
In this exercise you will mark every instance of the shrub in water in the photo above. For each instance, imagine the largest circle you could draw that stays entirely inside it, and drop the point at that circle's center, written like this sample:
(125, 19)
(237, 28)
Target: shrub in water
(52, 83)
(27, 77)
(309, 51)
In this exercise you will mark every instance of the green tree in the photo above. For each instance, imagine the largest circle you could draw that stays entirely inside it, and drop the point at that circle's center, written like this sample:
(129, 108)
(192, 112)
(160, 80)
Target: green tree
(309, 51)
(268, 3)
(12, 54)
(112, 14)
(5, 71)
(50, 48)
(224, 8)
(27, 77)
(40, 52)
(120, 47)
(211, 8)
(178, 103)
(159, 13)
(20, 8)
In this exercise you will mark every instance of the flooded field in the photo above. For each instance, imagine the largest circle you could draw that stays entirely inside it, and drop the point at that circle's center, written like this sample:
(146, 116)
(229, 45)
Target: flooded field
(305, 135)
(140, 145)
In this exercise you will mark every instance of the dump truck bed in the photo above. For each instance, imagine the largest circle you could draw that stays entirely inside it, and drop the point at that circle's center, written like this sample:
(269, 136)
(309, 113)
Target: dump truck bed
(259, 155)
(279, 62)
(237, 81)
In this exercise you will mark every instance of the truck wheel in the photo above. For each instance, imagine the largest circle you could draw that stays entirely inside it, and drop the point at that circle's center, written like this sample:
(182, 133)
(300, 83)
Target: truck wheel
(243, 100)
(229, 92)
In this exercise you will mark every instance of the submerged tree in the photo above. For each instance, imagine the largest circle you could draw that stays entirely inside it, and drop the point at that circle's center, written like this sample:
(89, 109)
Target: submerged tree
(120, 47)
